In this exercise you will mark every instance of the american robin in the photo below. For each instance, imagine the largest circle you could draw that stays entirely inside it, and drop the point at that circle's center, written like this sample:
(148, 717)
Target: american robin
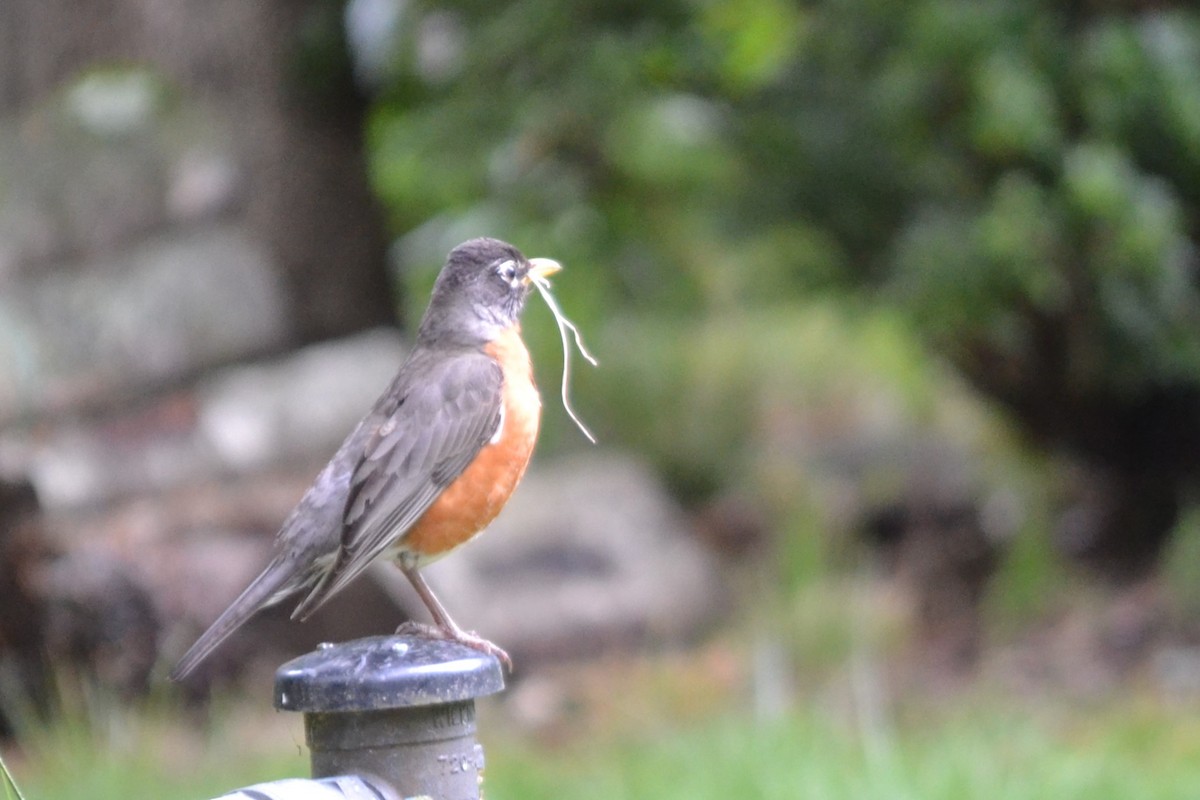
(432, 464)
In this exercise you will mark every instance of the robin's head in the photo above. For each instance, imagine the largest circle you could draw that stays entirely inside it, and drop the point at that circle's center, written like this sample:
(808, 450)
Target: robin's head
(480, 291)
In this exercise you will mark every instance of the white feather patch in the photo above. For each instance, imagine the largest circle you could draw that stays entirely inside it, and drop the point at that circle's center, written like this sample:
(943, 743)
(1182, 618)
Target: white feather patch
(499, 428)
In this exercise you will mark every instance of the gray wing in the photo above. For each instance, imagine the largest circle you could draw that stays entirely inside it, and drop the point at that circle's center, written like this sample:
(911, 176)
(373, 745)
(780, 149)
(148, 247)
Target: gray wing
(425, 433)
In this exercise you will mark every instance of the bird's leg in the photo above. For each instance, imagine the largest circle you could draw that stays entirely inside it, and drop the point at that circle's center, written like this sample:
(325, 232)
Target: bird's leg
(445, 627)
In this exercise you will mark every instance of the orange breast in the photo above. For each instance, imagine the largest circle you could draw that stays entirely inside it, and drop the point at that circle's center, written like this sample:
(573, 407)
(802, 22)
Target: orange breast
(472, 501)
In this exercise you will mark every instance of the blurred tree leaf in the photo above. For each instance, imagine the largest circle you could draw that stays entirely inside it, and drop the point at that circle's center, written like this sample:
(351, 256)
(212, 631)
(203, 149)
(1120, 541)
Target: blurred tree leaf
(1021, 178)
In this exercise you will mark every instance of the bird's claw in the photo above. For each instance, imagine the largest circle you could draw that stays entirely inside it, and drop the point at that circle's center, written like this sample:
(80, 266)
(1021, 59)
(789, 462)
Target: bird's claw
(469, 638)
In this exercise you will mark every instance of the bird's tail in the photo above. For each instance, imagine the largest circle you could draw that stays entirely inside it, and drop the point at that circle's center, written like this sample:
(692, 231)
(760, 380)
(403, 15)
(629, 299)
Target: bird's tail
(268, 588)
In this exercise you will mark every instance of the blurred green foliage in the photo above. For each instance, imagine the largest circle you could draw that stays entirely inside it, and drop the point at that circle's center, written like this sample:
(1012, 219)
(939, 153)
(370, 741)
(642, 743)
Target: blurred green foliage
(1010, 182)
(981, 164)
(1181, 567)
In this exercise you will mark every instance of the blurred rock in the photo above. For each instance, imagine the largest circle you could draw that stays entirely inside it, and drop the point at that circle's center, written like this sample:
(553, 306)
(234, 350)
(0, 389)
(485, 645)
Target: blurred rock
(124, 264)
(732, 525)
(140, 317)
(100, 621)
(146, 525)
(1135, 624)
(942, 553)
(112, 158)
(115, 103)
(204, 182)
(133, 253)
(294, 408)
(941, 534)
(1116, 521)
(77, 614)
(303, 404)
(171, 205)
(1176, 669)
(1100, 641)
(590, 555)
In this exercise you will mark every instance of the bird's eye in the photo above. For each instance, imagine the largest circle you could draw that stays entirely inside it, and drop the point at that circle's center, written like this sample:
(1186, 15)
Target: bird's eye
(507, 270)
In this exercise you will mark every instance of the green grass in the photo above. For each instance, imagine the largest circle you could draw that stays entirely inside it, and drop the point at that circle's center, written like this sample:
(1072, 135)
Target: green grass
(151, 752)
(673, 730)
(990, 754)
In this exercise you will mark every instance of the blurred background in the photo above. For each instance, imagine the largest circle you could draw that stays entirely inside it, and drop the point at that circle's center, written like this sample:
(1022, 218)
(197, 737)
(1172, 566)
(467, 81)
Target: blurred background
(897, 308)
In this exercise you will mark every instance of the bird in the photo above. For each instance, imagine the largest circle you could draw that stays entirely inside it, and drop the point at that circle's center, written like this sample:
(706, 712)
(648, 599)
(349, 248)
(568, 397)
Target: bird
(431, 464)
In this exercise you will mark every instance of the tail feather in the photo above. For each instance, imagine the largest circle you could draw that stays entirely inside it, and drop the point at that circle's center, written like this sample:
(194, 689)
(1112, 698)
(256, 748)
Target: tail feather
(332, 578)
(268, 588)
(314, 599)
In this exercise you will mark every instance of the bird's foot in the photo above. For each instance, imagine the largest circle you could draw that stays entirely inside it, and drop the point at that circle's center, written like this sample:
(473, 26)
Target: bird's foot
(455, 635)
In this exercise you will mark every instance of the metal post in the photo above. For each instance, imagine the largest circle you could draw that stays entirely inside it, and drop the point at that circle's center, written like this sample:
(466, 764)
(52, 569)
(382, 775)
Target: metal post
(396, 708)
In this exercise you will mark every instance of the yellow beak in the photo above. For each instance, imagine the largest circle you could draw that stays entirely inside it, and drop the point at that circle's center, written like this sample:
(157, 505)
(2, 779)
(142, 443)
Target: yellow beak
(542, 268)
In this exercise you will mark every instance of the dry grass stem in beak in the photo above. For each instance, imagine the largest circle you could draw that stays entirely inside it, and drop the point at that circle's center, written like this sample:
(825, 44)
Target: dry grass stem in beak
(540, 269)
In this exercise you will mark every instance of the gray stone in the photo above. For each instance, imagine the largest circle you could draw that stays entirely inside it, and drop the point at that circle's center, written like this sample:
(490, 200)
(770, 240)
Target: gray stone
(159, 311)
(591, 553)
(297, 406)
(245, 418)
(98, 165)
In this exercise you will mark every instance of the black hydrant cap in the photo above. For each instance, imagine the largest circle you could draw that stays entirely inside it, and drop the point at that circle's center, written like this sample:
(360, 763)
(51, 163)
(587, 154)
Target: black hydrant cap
(383, 672)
